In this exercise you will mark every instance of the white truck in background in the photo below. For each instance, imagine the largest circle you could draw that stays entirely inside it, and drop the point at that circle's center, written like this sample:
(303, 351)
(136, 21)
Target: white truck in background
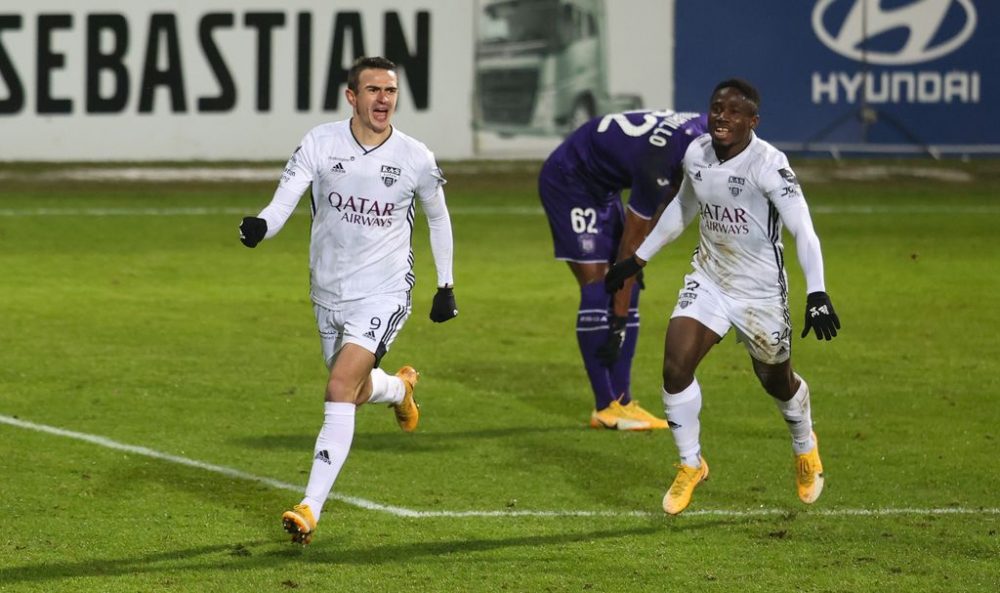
(541, 67)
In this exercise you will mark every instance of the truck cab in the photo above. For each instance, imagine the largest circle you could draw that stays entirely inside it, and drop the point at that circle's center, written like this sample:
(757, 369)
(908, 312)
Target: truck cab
(541, 66)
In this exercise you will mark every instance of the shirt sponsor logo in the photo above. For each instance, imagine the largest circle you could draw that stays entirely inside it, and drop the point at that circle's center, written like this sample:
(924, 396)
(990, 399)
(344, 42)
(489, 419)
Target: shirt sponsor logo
(362, 211)
(722, 219)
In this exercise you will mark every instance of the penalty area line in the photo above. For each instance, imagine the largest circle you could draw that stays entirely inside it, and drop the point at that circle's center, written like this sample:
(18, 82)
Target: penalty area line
(405, 512)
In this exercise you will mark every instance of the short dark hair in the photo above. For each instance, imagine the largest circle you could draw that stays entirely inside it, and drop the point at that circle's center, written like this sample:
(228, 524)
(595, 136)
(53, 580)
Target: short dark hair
(365, 63)
(744, 87)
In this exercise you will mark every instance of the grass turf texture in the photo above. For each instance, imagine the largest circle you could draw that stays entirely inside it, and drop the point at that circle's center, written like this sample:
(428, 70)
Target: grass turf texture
(162, 331)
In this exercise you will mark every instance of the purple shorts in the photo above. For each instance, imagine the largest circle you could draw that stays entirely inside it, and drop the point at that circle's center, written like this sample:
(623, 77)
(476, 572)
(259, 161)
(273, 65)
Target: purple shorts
(586, 228)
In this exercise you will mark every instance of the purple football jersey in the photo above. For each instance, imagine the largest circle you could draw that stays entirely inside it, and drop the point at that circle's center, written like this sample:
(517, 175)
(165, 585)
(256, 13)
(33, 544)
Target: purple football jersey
(636, 150)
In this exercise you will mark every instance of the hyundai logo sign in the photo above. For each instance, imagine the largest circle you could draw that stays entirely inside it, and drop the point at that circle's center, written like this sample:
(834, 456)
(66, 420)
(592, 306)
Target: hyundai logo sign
(866, 20)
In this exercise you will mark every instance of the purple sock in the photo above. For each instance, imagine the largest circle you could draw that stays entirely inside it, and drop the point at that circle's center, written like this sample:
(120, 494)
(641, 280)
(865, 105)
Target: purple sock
(621, 371)
(591, 333)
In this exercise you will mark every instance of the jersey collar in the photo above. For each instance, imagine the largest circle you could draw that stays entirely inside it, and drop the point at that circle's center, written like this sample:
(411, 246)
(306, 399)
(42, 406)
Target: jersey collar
(362, 146)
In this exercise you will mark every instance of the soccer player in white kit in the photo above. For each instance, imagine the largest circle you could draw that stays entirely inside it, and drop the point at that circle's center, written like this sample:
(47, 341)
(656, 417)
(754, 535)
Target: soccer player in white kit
(365, 176)
(744, 191)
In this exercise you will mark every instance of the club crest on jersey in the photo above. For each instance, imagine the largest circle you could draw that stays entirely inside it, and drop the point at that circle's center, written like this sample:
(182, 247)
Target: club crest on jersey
(736, 185)
(390, 175)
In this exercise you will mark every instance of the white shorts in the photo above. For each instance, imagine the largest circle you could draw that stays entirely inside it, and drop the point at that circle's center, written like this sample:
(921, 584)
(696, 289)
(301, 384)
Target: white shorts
(763, 325)
(372, 323)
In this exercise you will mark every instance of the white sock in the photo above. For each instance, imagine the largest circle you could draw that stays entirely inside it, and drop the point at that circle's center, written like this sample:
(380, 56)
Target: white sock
(798, 415)
(682, 413)
(332, 446)
(386, 388)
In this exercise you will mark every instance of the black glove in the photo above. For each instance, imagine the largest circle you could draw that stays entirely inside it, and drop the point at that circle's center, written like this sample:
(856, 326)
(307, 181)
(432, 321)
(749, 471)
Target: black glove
(612, 347)
(443, 308)
(252, 230)
(619, 272)
(820, 316)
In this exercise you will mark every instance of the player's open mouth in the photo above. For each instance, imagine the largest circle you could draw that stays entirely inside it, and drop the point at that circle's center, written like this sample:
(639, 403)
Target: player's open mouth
(720, 132)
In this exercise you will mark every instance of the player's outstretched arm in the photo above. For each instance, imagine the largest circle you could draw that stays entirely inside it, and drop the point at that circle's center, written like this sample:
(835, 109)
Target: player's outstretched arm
(820, 316)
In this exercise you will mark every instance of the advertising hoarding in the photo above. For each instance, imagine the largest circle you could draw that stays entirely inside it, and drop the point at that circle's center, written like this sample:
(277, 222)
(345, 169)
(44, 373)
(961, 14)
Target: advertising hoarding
(223, 80)
(867, 75)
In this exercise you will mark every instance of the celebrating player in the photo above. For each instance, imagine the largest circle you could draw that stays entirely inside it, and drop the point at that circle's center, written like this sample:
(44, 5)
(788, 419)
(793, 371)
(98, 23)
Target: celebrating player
(580, 186)
(364, 176)
(744, 190)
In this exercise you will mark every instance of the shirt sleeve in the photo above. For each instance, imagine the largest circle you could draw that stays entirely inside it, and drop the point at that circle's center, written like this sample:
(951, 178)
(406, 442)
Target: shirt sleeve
(782, 188)
(430, 191)
(661, 174)
(295, 179)
(277, 213)
(650, 183)
(675, 218)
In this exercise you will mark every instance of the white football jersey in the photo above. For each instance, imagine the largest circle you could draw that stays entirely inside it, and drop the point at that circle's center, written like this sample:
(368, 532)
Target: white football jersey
(362, 209)
(742, 204)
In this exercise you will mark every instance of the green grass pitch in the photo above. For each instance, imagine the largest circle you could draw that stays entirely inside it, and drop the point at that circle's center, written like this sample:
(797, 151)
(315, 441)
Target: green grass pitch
(161, 388)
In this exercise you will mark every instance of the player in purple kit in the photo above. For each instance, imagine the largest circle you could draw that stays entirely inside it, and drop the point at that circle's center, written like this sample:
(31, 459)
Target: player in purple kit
(581, 186)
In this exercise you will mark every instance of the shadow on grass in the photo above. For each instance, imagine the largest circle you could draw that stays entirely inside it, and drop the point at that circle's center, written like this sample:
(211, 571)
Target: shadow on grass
(263, 554)
(381, 441)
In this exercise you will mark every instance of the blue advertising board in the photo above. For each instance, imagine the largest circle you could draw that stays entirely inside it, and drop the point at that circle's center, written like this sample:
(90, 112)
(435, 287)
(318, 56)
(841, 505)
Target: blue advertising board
(870, 75)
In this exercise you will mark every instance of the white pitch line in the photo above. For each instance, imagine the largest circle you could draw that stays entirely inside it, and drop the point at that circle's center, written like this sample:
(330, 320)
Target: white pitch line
(405, 512)
(194, 211)
(207, 211)
(460, 211)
